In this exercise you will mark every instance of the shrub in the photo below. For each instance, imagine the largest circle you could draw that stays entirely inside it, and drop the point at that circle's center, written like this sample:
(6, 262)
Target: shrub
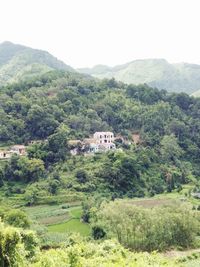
(98, 232)
(65, 207)
(16, 246)
(81, 176)
(17, 218)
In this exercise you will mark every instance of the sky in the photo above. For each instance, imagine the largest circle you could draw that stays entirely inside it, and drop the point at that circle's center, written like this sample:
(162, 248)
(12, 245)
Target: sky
(84, 33)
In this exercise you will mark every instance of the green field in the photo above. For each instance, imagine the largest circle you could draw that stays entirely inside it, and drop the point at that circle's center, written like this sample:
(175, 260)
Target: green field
(73, 225)
(66, 217)
(59, 218)
(167, 198)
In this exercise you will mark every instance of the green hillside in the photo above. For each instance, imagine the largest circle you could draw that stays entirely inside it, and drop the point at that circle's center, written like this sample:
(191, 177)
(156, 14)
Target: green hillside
(104, 209)
(158, 73)
(60, 106)
(19, 62)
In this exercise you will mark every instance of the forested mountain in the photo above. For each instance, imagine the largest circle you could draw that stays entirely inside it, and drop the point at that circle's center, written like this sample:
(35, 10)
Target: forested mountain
(19, 62)
(158, 73)
(60, 106)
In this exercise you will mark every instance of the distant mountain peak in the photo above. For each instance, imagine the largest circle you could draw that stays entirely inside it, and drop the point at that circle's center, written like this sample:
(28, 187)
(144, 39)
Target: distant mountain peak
(156, 72)
(6, 43)
(18, 62)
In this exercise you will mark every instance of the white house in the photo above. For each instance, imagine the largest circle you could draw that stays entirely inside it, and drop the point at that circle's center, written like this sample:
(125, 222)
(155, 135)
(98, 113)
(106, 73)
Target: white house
(18, 149)
(104, 137)
(102, 142)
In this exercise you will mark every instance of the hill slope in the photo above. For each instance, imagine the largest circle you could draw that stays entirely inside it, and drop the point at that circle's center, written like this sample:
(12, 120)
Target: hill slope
(158, 73)
(61, 106)
(19, 62)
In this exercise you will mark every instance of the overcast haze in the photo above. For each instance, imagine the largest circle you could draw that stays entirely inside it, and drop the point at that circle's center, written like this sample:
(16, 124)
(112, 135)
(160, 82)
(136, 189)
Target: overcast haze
(84, 33)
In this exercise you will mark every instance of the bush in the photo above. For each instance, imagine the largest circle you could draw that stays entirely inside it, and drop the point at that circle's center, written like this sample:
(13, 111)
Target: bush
(98, 232)
(81, 176)
(17, 218)
(65, 207)
(16, 246)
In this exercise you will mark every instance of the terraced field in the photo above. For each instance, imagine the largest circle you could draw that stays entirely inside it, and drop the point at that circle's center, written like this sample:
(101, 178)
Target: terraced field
(59, 218)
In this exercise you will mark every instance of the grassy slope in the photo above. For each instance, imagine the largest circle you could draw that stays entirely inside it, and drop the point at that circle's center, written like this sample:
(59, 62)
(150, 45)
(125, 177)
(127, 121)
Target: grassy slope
(59, 218)
(74, 224)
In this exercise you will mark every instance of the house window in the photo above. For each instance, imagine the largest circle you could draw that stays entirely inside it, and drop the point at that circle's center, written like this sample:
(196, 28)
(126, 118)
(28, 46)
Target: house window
(100, 136)
(104, 136)
(105, 141)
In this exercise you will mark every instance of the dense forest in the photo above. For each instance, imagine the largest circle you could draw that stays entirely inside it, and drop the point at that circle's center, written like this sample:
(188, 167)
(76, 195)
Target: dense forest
(45, 113)
(62, 106)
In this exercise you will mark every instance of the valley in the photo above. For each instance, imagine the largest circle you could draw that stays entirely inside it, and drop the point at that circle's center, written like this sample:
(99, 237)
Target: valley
(96, 172)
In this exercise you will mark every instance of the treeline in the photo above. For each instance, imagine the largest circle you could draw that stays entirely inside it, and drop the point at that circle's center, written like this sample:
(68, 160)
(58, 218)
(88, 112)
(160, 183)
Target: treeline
(147, 229)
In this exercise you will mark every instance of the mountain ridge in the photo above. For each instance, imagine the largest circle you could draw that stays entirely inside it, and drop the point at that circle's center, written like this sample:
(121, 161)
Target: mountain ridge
(176, 77)
(18, 62)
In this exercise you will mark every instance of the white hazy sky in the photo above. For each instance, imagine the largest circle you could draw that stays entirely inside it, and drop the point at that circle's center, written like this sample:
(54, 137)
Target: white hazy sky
(84, 33)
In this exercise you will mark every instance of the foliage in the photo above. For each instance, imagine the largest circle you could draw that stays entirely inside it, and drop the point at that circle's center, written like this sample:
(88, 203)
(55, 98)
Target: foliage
(16, 246)
(98, 232)
(158, 228)
(17, 218)
(20, 248)
(108, 253)
(24, 169)
(58, 106)
(44, 113)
